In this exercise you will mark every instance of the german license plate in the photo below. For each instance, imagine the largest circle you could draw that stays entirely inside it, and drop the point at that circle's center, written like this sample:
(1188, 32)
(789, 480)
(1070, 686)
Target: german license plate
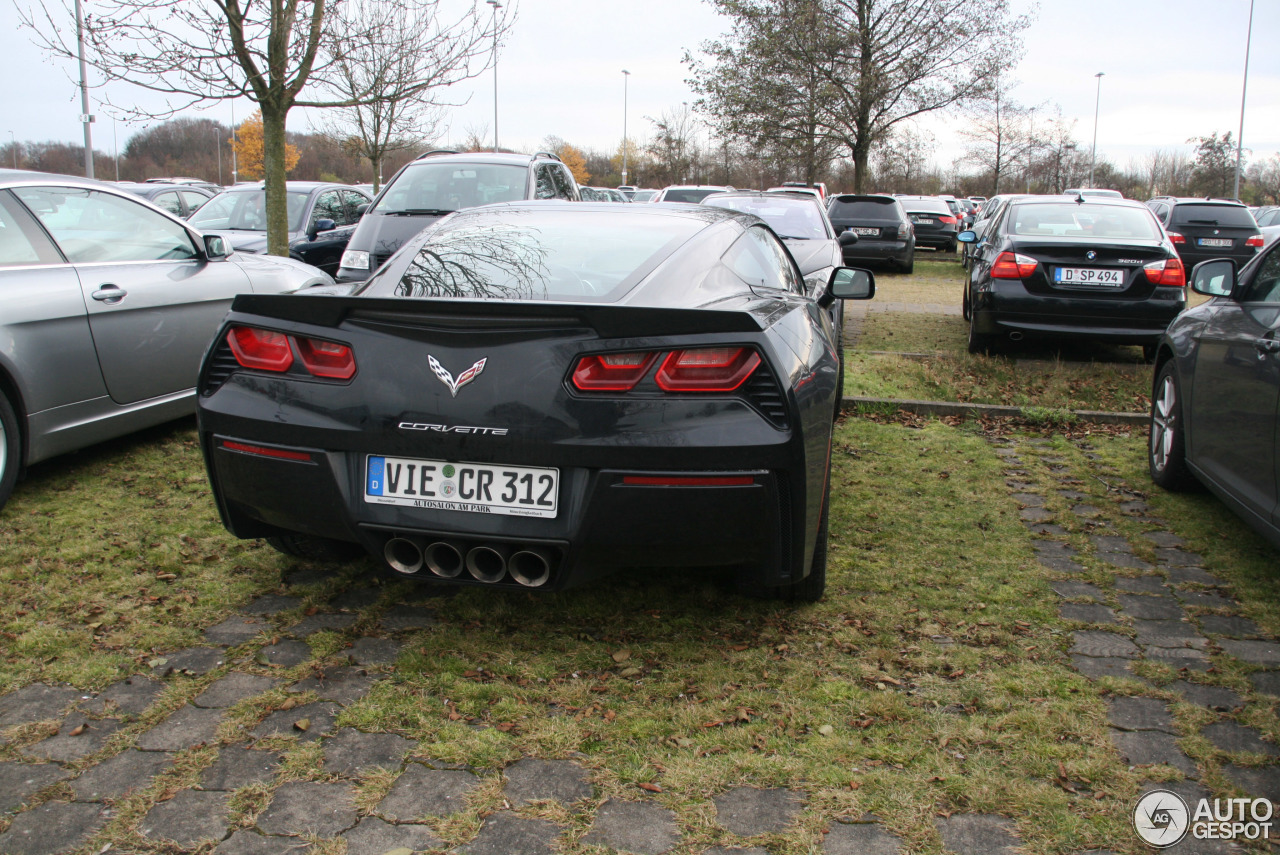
(922, 221)
(1089, 276)
(867, 232)
(1214, 241)
(518, 491)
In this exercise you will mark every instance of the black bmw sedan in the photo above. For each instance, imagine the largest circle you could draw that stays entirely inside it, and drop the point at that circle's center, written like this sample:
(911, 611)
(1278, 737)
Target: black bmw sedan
(533, 394)
(1094, 268)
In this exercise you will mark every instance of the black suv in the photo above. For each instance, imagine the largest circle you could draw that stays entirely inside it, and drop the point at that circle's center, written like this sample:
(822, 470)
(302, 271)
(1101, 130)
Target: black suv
(1202, 229)
(881, 224)
(441, 182)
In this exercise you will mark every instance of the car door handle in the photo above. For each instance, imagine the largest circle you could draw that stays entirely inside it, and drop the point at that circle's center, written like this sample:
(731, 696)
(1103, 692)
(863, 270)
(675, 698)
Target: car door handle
(1267, 345)
(109, 294)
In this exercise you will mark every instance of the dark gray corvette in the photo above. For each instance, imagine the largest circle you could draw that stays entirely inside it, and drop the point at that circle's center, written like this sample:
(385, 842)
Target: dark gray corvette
(535, 394)
(1215, 404)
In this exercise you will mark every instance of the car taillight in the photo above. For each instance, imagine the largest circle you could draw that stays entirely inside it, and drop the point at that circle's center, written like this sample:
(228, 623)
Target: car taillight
(1169, 272)
(263, 350)
(612, 372)
(947, 220)
(1011, 265)
(1254, 240)
(904, 231)
(1177, 238)
(707, 369)
(326, 358)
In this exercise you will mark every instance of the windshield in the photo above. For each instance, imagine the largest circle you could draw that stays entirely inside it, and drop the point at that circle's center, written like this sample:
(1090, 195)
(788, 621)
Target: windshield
(443, 187)
(790, 218)
(1074, 220)
(247, 210)
(577, 256)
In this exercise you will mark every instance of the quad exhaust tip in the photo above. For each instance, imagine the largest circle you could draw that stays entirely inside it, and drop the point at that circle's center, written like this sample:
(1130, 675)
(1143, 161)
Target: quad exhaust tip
(530, 566)
(404, 554)
(488, 562)
(444, 558)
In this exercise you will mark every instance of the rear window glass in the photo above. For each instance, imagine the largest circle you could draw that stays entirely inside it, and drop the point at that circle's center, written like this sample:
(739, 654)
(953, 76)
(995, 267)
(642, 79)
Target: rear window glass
(1212, 215)
(867, 209)
(790, 218)
(693, 195)
(1074, 220)
(922, 206)
(431, 187)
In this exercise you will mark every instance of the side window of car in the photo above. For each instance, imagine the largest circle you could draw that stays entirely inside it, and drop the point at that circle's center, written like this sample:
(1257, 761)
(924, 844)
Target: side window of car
(195, 201)
(546, 186)
(91, 226)
(21, 241)
(1265, 287)
(760, 261)
(168, 202)
(564, 182)
(352, 202)
(328, 207)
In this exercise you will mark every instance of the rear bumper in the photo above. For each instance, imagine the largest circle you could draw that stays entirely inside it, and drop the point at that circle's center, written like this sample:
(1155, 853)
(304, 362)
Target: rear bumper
(897, 251)
(1009, 308)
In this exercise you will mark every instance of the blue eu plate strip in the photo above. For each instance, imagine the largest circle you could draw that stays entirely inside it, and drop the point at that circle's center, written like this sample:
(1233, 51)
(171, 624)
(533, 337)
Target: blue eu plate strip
(373, 486)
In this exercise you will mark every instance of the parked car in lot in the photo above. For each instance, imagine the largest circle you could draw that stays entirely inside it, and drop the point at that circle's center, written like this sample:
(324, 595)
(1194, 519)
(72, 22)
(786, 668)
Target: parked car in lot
(1093, 192)
(934, 221)
(1202, 229)
(1215, 401)
(177, 200)
(884, 230)
(601, 194)
(531, 395)
(991, 208)
(322, 218)
(438, 183)
(187, 182)
(109, 306)
(643, 195)
(691, 194)
(1267, 216)
(1056, 266)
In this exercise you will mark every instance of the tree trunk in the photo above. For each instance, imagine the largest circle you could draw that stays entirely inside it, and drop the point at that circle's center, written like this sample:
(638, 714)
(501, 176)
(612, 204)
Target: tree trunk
(273, 142)
(375, 160)
(861, 155)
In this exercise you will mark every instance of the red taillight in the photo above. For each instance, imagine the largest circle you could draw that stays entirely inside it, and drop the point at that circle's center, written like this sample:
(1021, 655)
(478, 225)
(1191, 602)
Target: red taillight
(264, 451)
(947, 220)
(612, 372)
(707, 369)
(904, 231)
(261, 349)
(1177, 238)
(1254, 240)
(1169, 272)
(326, 358)
(1011, 265)
(688, 480)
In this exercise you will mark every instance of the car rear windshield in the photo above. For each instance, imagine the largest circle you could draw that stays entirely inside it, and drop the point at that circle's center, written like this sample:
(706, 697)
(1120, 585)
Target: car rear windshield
(246, 210)
(790, 218)
(693, 195)
(865, 209)
(575, 256)
(433, 187)
(1086, 221)
(926, 206)
(1213, 215)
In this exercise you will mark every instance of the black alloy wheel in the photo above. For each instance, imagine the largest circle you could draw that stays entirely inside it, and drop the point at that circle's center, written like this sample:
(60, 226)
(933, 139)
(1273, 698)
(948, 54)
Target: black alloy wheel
(978, 342)
(10, 449)
(1166, 453)
(965, 309)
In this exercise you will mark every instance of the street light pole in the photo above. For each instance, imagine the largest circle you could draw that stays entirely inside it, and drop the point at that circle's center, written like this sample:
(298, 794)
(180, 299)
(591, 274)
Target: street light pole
(85, 118)
(496, 6)
(626, 78)
(1094, 155)
(1244, 88)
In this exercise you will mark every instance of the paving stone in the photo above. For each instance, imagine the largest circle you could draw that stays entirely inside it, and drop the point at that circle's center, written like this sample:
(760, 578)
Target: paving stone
(343, 685)
(319, 717)
(188, 817)
(20, 781)
(756, 850)
(1141, 584)
(1087, 613)
(319, 622)
(1151, 747)
(1179, 658)
(187, 727)
(238, 766)
(357, 599)
(861, 838)
(310, 575)
(1267, 682)
(1263, 783)
(352, 753)
(505, 833)
(1077, 590)
(271, 604)
(373, 836)
(1087, 511)
(308, 807)
(247, 842)
(1035, 514)
(1093, 642)
(1136, 506)
(1191, 575)
(1073, 495)
(1150, 608)
(1205, 600)
(978, 834)
(1045, 529)
(1058, 556)
(406, 617)
(1169, 633)
(1232, 626)
(128, 697)
(1175, 557)
(638, 827)
(1020, 486)
(1031, 500)
(375, 651)
(1124, 560)
(1127, 713)
(1234, 738)
(52, 827)
(1097, 667)
(234, 688)
(115, 776)
(1017, 473)
(1110, 543)
(531, 780)
(747, 811)
(1163, 538)
(236, 629)
(421, 792)
(36, 702)
(193, 660)
(1213, 697)
(77, 737)
(1007, 453)
(286, 654)
(1253, 652)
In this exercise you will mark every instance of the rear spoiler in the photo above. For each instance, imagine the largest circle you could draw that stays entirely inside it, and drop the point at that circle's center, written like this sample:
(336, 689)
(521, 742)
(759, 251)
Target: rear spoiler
(609, 321)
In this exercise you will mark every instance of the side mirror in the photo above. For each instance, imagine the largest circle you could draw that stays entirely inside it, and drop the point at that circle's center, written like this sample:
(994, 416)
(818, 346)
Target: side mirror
(324, 224)
(1216, 278)
(848, 283)
(967, 236)
(847, 238)
(215, 247)
(360, 209)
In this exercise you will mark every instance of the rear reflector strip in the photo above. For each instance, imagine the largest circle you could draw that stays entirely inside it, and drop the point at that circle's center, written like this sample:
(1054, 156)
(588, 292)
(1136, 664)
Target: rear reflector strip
(263, 451)
(688, 481)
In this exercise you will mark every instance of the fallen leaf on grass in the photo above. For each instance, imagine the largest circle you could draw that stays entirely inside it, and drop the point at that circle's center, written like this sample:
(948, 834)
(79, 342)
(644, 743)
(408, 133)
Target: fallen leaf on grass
(621, 655)
(826, 730)
(653, 788)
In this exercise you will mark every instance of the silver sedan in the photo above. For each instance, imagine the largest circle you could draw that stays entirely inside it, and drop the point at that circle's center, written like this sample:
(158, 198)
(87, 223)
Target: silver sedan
(109, 306)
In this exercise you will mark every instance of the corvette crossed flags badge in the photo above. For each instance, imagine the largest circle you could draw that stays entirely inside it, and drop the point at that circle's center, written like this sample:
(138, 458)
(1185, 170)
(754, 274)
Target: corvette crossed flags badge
(463, 379)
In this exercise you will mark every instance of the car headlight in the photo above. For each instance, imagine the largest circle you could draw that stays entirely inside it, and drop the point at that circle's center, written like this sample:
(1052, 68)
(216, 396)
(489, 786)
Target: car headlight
(355, 259)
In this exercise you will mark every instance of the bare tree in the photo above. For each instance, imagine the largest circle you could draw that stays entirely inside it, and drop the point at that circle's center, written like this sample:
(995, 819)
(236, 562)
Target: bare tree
(998, 135)
(673, 147)
(279, 54)
(1264, 175)
(902, 158)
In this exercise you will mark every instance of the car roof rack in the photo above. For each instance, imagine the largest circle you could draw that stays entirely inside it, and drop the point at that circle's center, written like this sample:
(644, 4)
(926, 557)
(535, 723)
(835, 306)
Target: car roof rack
(547, 154)
(434, 152)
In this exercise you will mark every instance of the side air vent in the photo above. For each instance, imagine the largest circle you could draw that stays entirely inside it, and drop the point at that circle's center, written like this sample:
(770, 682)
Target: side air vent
(221, 365)
(762, 390)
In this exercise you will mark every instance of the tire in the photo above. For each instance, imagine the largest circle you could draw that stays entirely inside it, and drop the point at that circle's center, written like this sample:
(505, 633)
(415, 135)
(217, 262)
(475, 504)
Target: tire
(910, 266)
(322, 549)
(965, 311)
(951, 247)
(1166, 449)
(1149, 353)
(10, 449)
(811, 588)
(978, 342)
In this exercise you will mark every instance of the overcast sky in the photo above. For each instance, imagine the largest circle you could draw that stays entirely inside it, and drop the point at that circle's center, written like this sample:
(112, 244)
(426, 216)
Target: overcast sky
(1173, 70)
